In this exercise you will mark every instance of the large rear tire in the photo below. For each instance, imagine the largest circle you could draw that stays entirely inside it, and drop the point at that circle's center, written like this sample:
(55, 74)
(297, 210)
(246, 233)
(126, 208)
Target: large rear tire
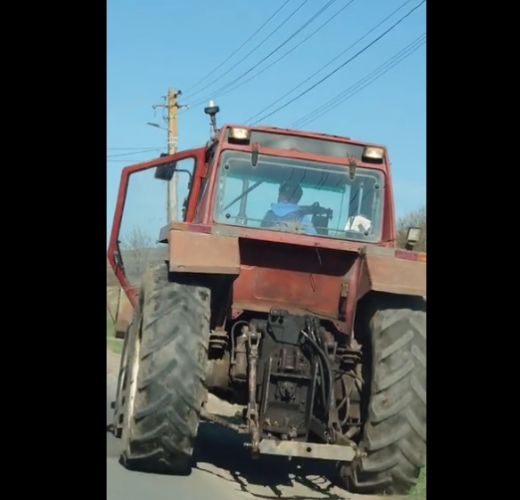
(394, 434)
(166, 375)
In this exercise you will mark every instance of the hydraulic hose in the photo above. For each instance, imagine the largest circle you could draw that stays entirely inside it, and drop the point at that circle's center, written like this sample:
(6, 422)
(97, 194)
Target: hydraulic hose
(325, 359)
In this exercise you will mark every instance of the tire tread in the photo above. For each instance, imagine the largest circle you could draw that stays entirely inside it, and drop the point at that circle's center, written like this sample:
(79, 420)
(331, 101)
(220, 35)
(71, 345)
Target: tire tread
(394, 437)
(170, 383)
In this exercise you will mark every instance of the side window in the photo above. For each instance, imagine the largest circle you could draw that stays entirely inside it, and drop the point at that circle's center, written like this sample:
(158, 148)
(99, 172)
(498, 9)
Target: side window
(151, 201)
(179, 189)
(145, 211)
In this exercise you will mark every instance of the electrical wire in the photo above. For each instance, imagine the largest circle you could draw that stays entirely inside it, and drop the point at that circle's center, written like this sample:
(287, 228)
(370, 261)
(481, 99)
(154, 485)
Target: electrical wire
(361, 84)
(122, 161)
(134, 152)
(131, 149)
(218, 92)
(239, 48)
(287, 19)
(276, 61)
(128, 162)
(301, 84)
(341, 66)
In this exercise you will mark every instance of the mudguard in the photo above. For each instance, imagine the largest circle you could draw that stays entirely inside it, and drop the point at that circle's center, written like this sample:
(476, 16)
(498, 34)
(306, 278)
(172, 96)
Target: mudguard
(194, 251)
(393, 271)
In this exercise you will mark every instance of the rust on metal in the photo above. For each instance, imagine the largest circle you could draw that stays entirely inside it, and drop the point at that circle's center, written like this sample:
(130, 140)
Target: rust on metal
(253, 341)
(392, 275)
(203, 253)
(297, 278)
(259, 235)
(351, 282)
(307, 450)
(210, 417)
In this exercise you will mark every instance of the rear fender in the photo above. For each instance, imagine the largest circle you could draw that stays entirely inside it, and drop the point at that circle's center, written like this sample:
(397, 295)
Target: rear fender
(193, 249)
(392, 270)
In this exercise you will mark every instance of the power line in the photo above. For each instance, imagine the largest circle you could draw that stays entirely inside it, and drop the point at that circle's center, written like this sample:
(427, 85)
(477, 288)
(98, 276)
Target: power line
(363, 83)
(131, 149)
(135, 152)
(360, 85)
(329, 63)
(341, 66)
(254, 49)
(127, 161)
(239, 48)
(276, 61)
(116, 161)
(218, 92)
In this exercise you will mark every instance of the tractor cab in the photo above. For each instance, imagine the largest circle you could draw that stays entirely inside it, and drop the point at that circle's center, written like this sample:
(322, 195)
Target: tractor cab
(260, 180)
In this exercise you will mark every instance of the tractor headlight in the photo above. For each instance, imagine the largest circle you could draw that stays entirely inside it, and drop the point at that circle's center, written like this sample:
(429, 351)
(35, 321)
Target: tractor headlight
(239, 134)
(413, 235)
(371, 153)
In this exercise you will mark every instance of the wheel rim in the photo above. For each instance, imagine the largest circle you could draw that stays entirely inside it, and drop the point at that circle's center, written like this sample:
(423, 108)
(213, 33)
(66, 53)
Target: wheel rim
(122, 371)
(130, 393)
(121, 382)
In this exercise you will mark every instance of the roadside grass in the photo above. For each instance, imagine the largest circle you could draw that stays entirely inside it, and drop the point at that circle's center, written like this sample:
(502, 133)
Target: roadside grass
(419, 492)
(113, 344)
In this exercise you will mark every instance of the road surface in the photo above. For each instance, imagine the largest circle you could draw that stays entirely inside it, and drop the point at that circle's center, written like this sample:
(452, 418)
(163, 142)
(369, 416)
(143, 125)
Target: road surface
(225, 470)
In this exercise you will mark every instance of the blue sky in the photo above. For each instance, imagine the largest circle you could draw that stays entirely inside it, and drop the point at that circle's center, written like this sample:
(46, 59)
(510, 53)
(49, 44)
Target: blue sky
(158, 44)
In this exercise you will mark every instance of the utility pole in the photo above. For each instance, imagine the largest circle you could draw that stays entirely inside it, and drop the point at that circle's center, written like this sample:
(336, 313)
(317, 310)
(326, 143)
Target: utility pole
(173, 185)
(172, 107)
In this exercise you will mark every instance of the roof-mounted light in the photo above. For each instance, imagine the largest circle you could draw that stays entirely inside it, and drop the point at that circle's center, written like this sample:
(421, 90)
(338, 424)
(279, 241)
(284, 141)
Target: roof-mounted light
(239, 135)
(372, 153)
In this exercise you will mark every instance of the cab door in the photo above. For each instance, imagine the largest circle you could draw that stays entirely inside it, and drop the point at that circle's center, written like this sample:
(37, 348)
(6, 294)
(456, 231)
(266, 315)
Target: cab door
(151, 195)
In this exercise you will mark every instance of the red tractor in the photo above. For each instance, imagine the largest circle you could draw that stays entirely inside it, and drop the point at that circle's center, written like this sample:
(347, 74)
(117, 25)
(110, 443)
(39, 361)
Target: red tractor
(280, 290)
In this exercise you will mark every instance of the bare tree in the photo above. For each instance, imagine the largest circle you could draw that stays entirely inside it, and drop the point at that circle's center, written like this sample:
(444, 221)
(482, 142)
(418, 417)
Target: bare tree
(416, 218)
(135, 248)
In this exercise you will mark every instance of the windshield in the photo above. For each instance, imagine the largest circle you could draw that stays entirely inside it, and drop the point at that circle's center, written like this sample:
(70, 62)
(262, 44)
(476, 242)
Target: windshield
(286, 194)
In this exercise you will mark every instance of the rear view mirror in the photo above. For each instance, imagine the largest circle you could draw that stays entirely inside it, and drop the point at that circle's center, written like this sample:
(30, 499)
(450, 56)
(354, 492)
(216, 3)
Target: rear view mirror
(165, 172)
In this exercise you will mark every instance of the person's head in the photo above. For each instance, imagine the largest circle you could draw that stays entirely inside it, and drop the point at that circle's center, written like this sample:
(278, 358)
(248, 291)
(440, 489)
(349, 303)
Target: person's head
(290, 193)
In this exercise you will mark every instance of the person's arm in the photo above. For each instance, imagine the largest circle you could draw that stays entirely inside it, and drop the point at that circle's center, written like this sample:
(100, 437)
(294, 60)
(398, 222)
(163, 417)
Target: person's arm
(307, 225)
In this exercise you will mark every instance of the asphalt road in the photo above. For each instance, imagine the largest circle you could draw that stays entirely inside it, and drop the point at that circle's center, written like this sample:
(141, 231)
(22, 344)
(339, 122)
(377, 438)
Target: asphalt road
(126, 485)
(224, 471)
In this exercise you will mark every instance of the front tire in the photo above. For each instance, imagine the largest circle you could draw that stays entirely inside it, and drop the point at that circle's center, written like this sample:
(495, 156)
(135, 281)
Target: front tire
(167, 389)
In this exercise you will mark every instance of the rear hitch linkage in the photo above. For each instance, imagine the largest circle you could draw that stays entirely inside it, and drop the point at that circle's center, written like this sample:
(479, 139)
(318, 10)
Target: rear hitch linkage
(253, 341)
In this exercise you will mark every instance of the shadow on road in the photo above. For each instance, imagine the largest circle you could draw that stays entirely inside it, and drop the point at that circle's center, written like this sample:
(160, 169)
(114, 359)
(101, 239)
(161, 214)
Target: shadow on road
(223, 449)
